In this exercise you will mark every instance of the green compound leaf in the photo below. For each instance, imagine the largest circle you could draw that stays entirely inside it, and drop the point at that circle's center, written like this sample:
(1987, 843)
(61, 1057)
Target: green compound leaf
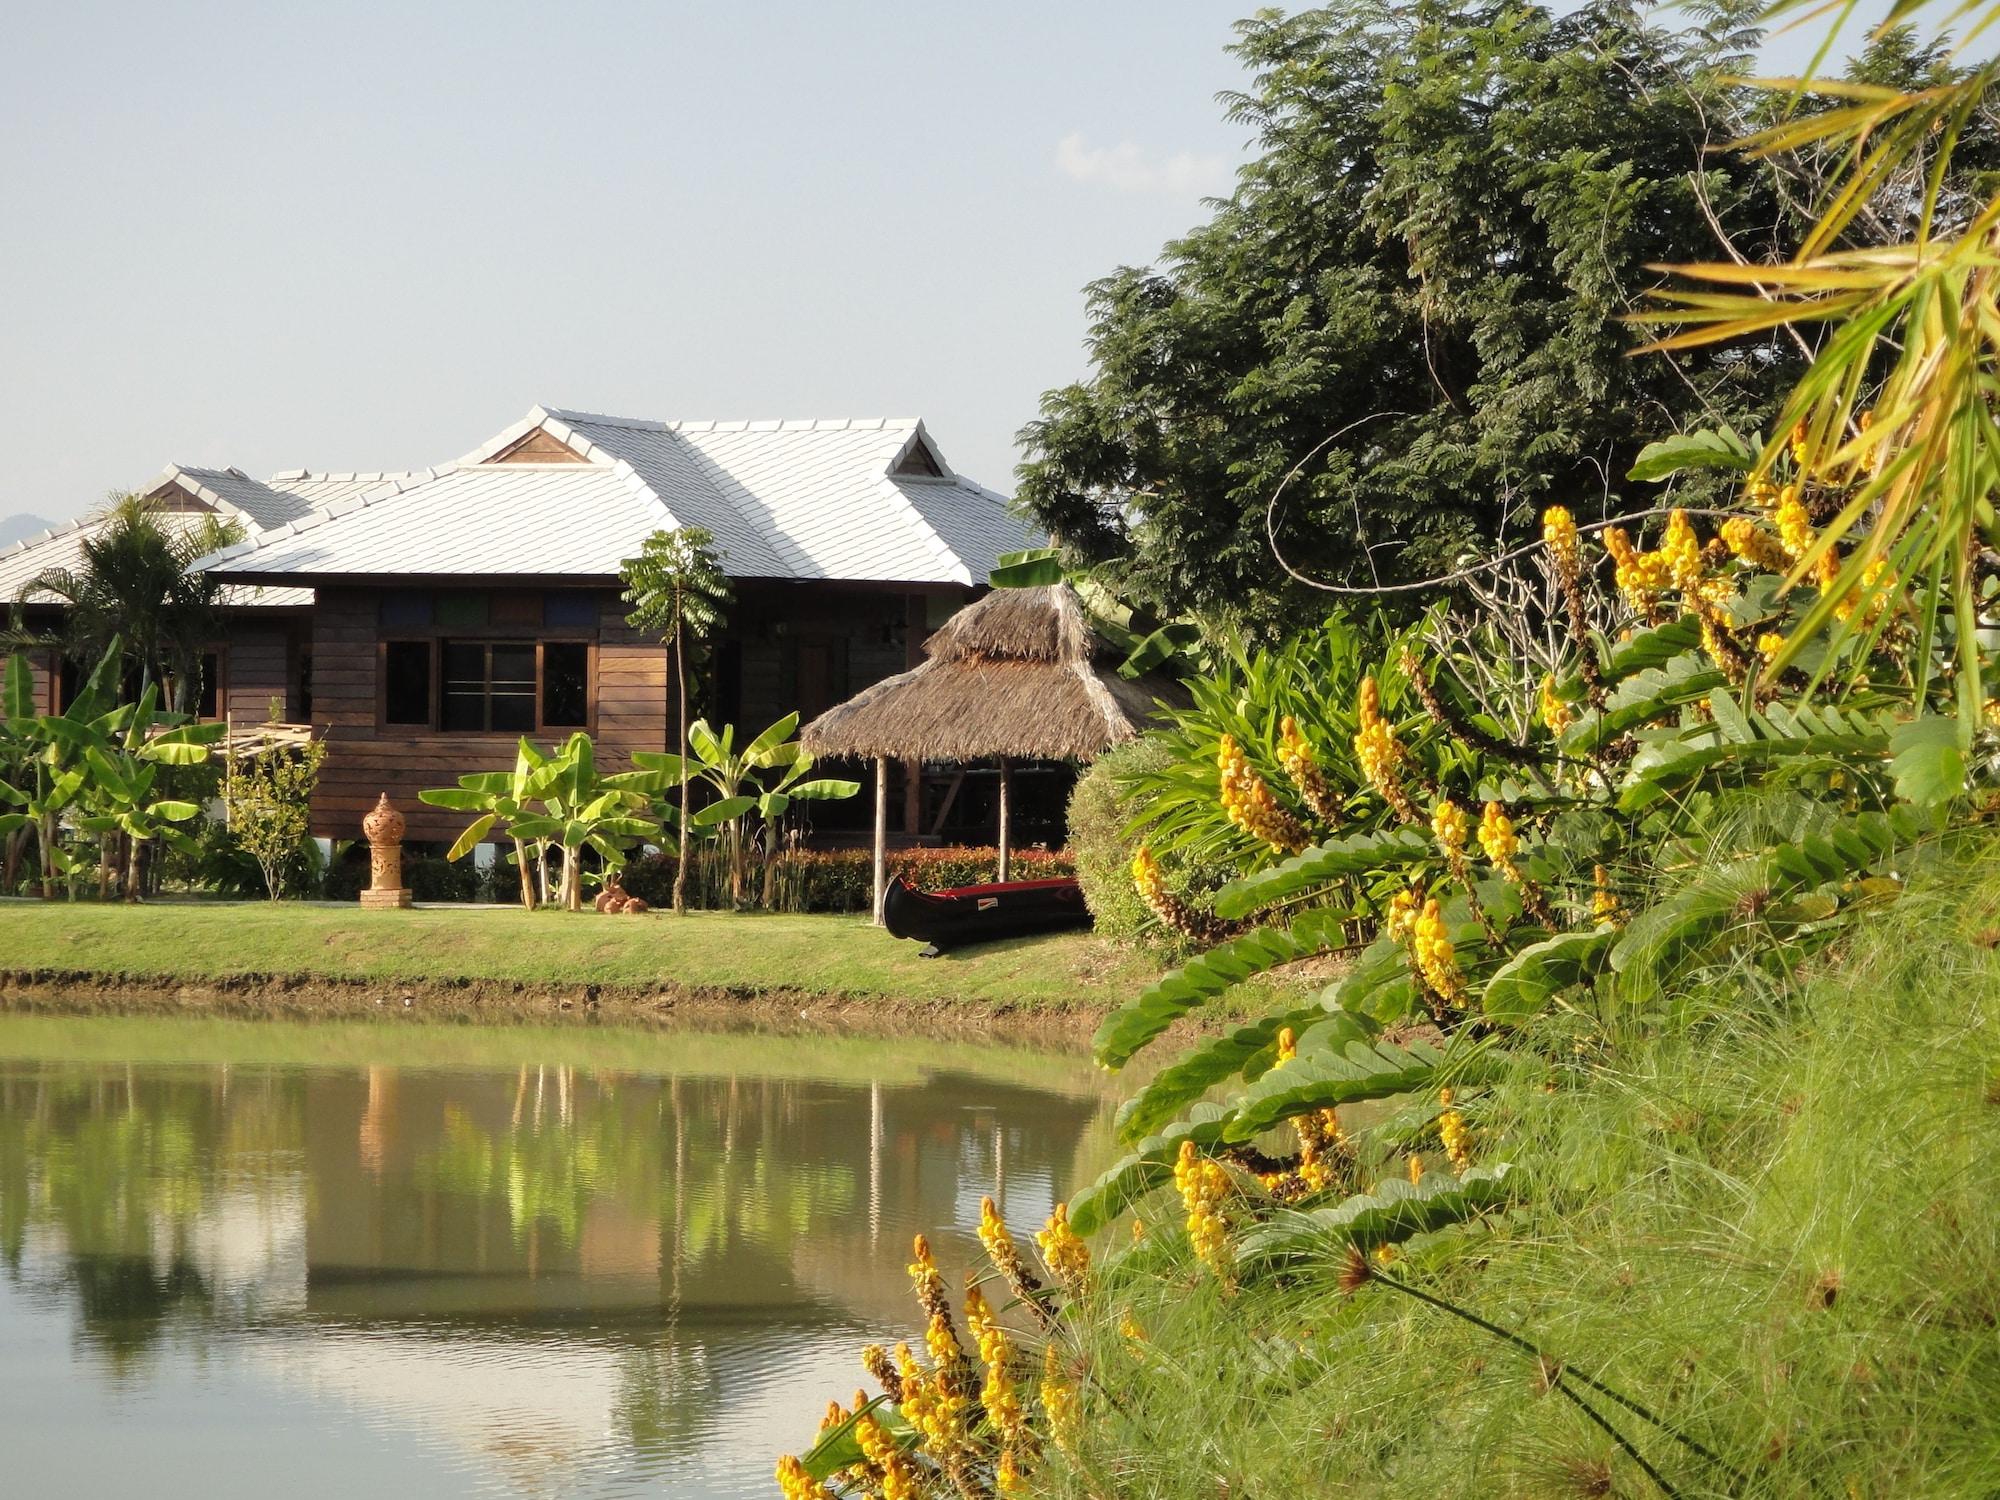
(1148, 1167)
(1322, 1078)
(1355, 854)
(1710, 448)
(1243, 1051)
(1395, 1211)
(1214, 973)
(1526, 983)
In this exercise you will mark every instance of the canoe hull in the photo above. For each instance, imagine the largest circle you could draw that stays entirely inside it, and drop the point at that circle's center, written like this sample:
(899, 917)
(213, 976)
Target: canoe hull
(982, 913)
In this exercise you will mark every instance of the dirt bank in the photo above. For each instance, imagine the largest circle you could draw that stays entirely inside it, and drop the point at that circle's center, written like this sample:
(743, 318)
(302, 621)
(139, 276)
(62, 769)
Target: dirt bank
(493, 1001)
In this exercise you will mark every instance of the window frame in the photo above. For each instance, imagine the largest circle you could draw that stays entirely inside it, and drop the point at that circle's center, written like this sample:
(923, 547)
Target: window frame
(435, 641)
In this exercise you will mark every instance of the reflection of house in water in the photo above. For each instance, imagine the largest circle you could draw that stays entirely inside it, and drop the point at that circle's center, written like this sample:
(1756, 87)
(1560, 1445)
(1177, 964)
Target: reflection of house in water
(539, 1270)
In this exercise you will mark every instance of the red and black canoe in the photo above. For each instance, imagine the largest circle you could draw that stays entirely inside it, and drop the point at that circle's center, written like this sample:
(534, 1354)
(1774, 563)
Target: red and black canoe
(982, 913)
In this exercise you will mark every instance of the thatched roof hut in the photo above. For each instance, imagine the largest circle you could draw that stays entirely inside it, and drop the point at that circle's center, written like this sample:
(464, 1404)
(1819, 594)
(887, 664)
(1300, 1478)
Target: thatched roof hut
(1018, 675)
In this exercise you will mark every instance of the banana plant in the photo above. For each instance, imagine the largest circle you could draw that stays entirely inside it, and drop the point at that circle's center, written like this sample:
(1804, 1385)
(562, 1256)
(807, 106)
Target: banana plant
(581, 809)
(765, 777)
(505, 798)
(97, 763)
(122, 753)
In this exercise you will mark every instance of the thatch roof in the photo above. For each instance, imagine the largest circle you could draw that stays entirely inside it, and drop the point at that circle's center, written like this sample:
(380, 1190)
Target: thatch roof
(1019, 673)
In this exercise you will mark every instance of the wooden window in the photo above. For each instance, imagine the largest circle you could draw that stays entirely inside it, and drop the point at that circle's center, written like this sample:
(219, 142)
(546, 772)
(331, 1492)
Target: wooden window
(566, 684)
(463, 611)
(406, 609)
(406, 679)
(569, 610)
(489, 687)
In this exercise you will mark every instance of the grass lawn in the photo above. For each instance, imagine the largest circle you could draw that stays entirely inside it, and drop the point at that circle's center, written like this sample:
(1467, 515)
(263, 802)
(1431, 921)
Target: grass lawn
(1767, 1212)
(739, 953)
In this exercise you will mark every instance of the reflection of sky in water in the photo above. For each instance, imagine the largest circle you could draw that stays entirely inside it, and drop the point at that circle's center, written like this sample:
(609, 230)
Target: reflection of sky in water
(520, 1281)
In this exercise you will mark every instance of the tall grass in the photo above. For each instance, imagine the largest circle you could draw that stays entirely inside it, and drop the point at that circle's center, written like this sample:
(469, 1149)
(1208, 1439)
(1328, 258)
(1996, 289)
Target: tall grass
(1773, 1221)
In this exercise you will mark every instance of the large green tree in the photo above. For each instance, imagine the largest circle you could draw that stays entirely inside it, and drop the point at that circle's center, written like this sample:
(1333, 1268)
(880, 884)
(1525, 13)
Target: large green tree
(1453, 209)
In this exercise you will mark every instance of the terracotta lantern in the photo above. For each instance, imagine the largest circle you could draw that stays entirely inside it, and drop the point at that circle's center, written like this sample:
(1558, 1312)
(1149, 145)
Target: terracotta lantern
(383, 828)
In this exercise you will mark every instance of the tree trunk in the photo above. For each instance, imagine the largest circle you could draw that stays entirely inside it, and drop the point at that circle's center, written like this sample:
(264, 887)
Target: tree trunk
(12, 868)
(527, 875)
(47, 839)
(135, 868)
(681, 857)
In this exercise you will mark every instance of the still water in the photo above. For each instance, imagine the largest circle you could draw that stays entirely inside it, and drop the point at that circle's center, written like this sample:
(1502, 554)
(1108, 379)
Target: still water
(257, 1259)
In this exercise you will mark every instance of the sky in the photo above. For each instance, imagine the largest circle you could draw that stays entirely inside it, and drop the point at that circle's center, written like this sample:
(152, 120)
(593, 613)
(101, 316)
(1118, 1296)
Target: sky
(370, 236)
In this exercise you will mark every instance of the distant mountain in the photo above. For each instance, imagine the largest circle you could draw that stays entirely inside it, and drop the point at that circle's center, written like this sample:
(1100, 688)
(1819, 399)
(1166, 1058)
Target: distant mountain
(19, 528)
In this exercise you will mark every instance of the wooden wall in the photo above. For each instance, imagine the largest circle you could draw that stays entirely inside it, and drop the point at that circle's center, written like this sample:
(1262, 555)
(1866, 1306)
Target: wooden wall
(780, 633)
(366, 757)
(259, 669)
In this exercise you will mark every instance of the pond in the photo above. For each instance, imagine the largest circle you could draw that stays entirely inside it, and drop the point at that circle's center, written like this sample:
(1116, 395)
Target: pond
(387, 1261)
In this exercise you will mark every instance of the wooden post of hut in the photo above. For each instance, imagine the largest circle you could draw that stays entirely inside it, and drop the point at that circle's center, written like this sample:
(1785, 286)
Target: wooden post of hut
(1006, 822)
(881, 834)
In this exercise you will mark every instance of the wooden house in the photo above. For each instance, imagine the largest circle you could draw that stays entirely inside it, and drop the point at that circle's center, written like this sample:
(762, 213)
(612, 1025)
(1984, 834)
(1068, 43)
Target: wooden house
(425, 621)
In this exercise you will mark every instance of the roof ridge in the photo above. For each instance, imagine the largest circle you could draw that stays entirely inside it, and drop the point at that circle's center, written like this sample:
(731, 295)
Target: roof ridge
(792, 424)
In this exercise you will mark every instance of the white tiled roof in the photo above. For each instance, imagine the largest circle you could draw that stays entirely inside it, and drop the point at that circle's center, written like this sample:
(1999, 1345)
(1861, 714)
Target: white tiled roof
(806, 500)
(62, 547)
(495, 518)
(319, 489)
(231, 492)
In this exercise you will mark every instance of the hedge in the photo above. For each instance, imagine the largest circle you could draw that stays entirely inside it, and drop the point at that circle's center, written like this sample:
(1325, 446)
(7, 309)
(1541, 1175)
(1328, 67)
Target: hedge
(832, 880)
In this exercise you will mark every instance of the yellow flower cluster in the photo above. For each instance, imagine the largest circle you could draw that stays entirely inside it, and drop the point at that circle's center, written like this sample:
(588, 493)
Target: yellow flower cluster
(1605, 909)
(1798, 443)
(1401, 920)
(1009, 1478)
(1795, 529)
(1452, 827)
(1063, 1250)
(1498, 839)
(1437, 961)
(1641, 576)
(1062, 1404)
(1204, 1187)
(1754, 545)
(899, 1475)
(1683, 554)
(1559, 532)
(1151, 883)
(1288, 1045)
(1556, 713)
(1000, 1394)
(1379, 752)
(937, 1408)
(1416, 1166)
(1457, 1139)
(1006, 1258)
(1877, 579)
(794, 1483)
(1303, 770)
(1769, 644)
(1248, 800)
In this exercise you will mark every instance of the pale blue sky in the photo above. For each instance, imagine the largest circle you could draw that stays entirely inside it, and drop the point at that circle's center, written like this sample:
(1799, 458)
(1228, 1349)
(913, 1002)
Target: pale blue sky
(371, 235)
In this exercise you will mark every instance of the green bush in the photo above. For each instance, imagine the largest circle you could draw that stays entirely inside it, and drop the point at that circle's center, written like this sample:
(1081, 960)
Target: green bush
(1102, 848)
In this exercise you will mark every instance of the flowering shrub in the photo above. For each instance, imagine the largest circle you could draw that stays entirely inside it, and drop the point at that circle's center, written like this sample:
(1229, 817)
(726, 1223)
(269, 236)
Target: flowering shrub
(835, 880)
